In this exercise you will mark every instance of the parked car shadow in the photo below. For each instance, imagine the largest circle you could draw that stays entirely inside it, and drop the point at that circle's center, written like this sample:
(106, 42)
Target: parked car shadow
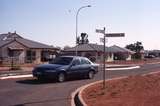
(35, 81)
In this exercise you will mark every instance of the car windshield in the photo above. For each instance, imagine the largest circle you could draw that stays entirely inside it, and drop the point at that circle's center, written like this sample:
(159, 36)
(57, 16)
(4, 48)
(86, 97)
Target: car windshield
(62, 60)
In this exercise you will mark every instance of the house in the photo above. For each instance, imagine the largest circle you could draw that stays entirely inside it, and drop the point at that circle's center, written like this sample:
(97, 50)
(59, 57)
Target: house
(21, 50)
(151, 53)
(95, 52)
(122, 53)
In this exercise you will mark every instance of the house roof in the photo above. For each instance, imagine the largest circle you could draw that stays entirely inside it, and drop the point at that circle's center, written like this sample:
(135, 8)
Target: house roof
(9, 37)
(4, 42)
(86, 47)
(120, 49)
(33, 44)
(15, 48)
(96, 47)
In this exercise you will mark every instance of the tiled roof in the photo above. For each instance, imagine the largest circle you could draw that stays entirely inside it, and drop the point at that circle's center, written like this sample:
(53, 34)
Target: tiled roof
(2, 36)
(96, 47)
(6, 38)
(4, 42)
(33, 44)
(86, 47)
(9, 36)
(122, 50)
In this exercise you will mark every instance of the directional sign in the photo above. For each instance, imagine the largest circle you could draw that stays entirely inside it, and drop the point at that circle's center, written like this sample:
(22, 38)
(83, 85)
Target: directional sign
(102, 40)
(100, 31)
(114, 35)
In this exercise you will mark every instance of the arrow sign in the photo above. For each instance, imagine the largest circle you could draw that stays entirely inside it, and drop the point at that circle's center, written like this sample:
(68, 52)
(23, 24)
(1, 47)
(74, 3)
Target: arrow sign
(114, 35)
(102, 40)
(100, 31)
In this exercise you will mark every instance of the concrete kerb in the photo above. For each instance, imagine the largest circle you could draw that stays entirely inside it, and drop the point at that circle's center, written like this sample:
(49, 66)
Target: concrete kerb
(125, 68)
(154, 63)
(73, 94)
(16, 76)
(151, 73)
(128, 65)
(81, 89)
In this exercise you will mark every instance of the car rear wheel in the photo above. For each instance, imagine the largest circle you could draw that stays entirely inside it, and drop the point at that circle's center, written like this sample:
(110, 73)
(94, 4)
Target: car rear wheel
(39, 78)
(91, 74)
(61, 77)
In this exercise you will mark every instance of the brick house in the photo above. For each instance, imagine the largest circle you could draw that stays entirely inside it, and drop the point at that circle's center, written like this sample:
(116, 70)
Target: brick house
(21, 50)
(95, 52)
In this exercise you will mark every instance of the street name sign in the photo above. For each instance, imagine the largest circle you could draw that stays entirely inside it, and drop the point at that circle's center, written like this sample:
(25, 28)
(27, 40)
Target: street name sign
(100, 31)
(114, 35)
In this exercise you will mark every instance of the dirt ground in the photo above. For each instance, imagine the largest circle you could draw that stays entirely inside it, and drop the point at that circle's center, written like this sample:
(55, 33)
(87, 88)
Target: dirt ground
(131, 91)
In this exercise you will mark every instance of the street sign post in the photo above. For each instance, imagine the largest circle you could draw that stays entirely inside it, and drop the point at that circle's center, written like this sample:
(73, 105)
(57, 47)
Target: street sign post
(104, 51)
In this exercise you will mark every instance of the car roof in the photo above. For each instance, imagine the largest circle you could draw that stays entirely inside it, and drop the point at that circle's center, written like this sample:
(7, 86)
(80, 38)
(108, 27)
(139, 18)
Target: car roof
(73, 56)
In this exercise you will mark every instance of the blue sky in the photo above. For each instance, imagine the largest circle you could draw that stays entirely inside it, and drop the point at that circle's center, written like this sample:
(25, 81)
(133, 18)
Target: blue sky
(53, 21)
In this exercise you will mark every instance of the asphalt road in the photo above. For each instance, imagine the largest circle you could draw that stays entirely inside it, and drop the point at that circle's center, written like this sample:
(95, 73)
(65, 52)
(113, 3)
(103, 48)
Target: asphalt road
(30, 92)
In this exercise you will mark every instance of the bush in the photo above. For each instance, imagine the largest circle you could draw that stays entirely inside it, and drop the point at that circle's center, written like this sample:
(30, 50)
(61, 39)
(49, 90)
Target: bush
(137, 56)
(15, 67)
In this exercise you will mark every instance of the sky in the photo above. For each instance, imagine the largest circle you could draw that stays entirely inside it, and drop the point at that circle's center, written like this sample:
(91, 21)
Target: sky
(53, 22)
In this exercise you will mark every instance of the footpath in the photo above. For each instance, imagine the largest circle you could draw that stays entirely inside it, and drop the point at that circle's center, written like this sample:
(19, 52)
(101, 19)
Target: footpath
(4, 72)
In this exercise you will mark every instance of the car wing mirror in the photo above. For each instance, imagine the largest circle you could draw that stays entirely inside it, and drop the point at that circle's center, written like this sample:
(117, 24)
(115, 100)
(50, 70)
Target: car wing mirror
(73, 64)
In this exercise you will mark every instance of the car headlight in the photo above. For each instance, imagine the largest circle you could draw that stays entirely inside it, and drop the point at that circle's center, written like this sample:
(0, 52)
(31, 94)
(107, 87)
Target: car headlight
(62, 69)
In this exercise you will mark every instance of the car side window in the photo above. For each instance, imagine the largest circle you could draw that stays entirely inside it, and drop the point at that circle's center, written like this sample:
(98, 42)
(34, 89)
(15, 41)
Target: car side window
(76, 62)
(85, 61)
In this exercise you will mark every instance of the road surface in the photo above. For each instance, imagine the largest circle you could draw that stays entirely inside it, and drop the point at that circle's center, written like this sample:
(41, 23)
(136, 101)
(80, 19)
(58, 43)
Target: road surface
(30, 92)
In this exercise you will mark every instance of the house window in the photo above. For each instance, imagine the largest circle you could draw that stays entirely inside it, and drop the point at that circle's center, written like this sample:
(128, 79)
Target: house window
(45, 56)
(10, 53)
(13, 53)
(31, 56)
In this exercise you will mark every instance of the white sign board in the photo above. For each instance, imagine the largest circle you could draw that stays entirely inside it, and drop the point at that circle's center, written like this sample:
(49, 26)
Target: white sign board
(100, 31)
(102, 40)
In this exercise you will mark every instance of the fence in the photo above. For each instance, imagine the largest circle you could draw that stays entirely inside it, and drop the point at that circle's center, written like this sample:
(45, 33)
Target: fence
(19, 62)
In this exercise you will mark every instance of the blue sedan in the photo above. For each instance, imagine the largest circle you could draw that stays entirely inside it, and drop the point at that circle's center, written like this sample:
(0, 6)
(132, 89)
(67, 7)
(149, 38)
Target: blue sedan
(65, 67)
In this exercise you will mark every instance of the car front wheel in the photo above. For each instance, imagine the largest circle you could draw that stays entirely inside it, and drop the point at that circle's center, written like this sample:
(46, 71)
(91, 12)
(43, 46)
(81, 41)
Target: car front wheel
(91, 74)
(61, 77)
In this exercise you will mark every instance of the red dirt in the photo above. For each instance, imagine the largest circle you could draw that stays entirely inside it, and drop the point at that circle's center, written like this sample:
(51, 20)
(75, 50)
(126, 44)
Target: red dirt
(132, 91)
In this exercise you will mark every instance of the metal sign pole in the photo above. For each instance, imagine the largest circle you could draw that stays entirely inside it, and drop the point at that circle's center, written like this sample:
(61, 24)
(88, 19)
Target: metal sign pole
(104, 60)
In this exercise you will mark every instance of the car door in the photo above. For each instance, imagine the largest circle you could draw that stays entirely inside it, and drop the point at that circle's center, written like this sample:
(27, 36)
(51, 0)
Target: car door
(75, 68)
(85, 66)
